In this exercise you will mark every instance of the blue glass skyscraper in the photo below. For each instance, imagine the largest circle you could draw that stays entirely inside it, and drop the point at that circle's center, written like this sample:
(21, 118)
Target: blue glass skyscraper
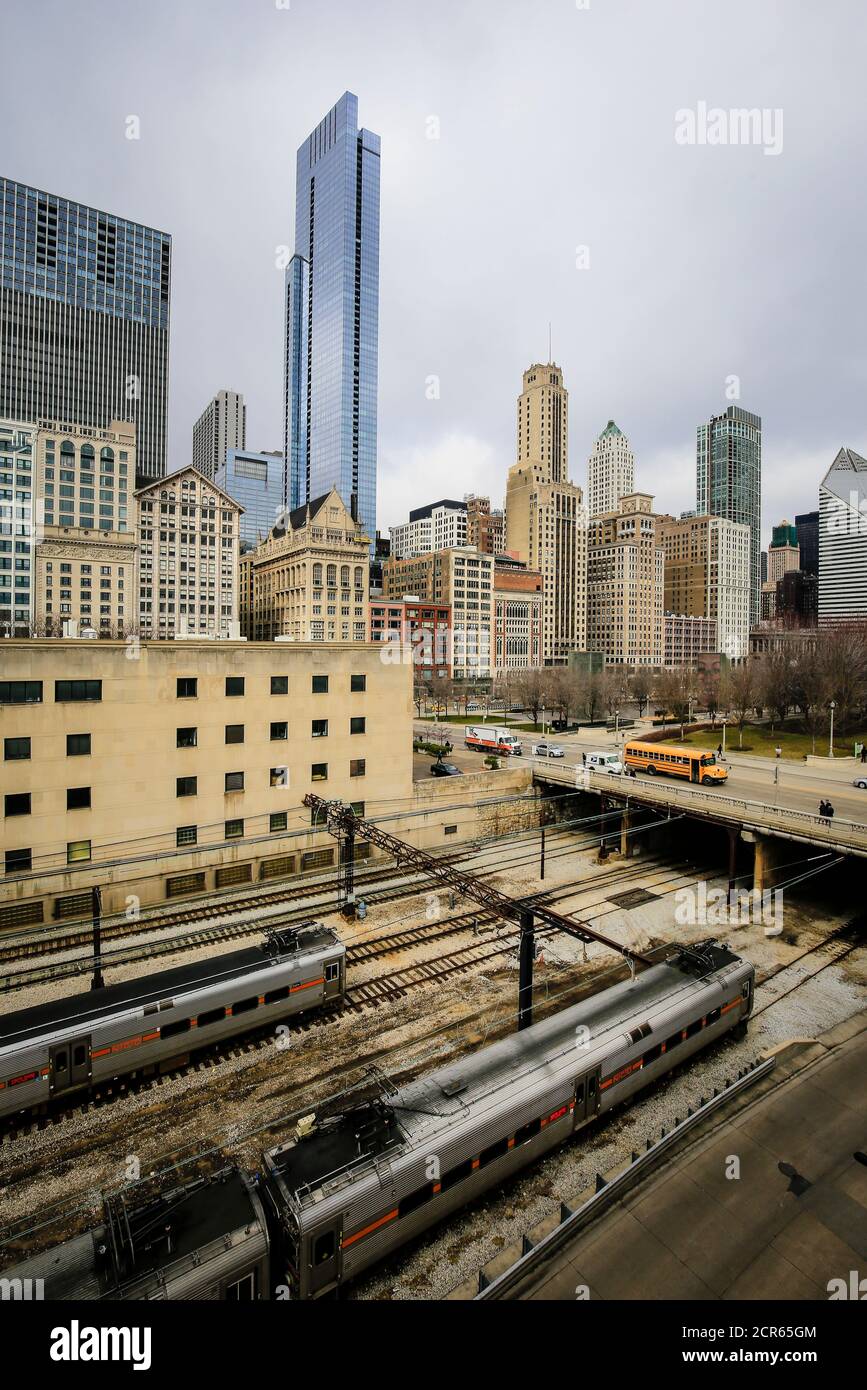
(332, 316)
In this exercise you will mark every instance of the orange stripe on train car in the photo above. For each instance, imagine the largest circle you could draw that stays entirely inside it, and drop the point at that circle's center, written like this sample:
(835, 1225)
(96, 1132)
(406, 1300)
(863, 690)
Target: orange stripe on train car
(308, 984)
(366, 1230)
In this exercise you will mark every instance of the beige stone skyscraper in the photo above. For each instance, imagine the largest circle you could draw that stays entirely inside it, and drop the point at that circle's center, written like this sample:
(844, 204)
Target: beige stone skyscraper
(625, 586)
(610, 471)
(546, 520)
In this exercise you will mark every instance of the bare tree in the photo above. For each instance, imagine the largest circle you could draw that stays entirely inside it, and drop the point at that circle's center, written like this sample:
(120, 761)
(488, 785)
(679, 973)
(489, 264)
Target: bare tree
(532, 687)
(709, 682)
(641, 687)
(742, 689)
(810, 691)
(677, 688)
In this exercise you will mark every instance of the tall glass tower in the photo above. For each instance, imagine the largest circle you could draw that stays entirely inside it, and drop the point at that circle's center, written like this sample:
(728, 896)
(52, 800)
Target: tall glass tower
(729, 482)
(84, 318)
(332, 317)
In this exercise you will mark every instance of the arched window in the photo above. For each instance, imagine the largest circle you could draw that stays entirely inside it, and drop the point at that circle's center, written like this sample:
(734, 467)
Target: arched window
(332, 574)
(317, 574)
(67, 447)
(106, 453)
(344, 576)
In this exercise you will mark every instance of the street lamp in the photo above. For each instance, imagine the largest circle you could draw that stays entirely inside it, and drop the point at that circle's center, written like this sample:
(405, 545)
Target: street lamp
(833, 706)
(724, 727)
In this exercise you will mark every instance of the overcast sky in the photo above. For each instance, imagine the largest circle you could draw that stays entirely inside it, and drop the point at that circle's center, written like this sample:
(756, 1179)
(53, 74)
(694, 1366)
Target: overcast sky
(557, 125)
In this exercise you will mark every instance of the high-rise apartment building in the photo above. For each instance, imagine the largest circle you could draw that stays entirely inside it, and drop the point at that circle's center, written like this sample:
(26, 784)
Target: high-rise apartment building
(486, 529)
(707, 574)
(256, 482)
(610, 471)
(84, 318)
(86, 540)
(546, 520)
(843, 539)
(729, 481)
(221, 426)
(625, 585)
(332, 317)
(19, 521)
(784, 552)
(518, 605)
(309, 580)
(188, 552)
(462, 579)
(438, 526)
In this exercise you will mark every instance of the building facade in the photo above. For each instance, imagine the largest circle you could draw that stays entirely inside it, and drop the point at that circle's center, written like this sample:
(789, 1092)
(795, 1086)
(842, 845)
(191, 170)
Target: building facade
(310, 578)
(486, 529)
(707, 574)
(438, 526)
(462, 580)
(86, 542)
(784, 552)
(200, 753)
(546, 520)
(610, 471)
(797, 599)
(255, 481)
(807, 529)
(687, 638)
(221, 426)
(518, 608)
(424, 627)
(625, 587)
(84, 318)
(332, 316)
(843, 539)
(729, 481)
(19, 520)
(188, 533)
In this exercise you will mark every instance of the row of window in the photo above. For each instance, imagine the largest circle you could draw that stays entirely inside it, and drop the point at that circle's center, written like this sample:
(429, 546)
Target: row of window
(188, 686)
(17, 750)
(188, 736)
(30, 692)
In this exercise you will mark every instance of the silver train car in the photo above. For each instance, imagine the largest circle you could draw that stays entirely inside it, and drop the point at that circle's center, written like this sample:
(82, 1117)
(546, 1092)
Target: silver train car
(158, 1021)
(207, 1239)
(349, 1188)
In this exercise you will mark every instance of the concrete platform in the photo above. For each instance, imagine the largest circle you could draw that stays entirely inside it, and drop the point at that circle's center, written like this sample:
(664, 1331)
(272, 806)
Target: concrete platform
(692, 1232)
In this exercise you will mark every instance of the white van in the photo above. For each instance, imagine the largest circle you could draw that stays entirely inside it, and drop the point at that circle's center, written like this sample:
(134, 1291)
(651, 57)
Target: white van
(603, 762)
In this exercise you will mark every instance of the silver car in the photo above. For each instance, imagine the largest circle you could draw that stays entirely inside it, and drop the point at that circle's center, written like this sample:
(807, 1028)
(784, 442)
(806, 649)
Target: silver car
(548, 750)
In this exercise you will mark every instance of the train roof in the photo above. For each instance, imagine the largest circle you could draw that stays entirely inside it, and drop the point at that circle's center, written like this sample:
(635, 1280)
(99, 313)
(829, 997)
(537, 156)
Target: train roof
(81, 1010)
(424, 1107)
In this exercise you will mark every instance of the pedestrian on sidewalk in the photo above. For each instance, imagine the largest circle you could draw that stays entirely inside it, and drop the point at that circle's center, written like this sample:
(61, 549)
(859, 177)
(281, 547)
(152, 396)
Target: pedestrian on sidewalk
(778, 750)
(864, 752)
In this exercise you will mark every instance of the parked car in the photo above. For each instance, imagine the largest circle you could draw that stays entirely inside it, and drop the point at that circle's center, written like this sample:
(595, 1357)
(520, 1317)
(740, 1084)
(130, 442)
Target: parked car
(445, 770)
(548, 750)
(860, 782)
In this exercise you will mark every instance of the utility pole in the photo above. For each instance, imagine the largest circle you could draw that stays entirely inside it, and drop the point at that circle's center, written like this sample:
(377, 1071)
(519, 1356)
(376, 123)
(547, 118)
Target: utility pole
(348, 905)
(525, 970)
(96, 898)
(542, 854)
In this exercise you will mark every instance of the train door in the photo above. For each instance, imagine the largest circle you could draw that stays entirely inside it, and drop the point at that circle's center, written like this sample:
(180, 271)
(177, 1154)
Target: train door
(323, 1258)
(333, 988)
(69, 1065)
(586, 1096)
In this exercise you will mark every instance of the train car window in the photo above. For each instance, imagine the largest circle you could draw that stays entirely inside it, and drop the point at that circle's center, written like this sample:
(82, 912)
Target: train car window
(528, 1132)
(171, 1030)
(493, 1152)
(591, 1087)
(243, 1290)
(714, 1015)
(653, 1054)
(78, 1056)
(275, 995)
(693, 1028)
(579, 1093)
(60, 1061)
(332, 970)
(674, 1041)
(323, 1248)
(413, 1200)
(244, 1006)
(456, 1175)
(211, 1016)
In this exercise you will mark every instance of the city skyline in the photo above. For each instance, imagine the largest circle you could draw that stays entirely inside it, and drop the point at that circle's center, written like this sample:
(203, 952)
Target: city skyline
(447, 254)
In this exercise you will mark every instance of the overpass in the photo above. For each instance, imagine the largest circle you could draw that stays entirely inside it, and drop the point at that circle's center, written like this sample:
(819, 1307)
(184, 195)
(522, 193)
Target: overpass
(754, 822)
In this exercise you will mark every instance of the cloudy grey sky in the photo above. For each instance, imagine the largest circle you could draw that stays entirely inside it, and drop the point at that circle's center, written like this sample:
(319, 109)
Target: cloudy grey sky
(557, 131)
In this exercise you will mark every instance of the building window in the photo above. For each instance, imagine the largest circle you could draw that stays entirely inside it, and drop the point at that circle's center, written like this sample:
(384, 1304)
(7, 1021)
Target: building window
(78, 852)
(77, 745)
(319, 728)
(186, 835)
(357, 767)
(320, 685)
(279, 730)
(187, 738)
(357, 725)
(18, 860)
(319, 772)
(77, 690)
(187, 786)
(358, 682)
(20, 692)
(78, 798)
(234, 829)
(16, 804)
(16, 750)
(279, 685)
(234, 781)
(188, 687)
(234, 685)
(278, 821)
(234, 733)
(357, 807)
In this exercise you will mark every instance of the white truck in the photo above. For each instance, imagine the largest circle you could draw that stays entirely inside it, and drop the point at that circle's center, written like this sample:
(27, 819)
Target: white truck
(490, 738)
(602, 762)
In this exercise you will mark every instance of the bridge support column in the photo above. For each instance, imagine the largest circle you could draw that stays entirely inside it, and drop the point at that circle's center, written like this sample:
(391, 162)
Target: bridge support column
(734, 837)
(626, 845)
(765, 860)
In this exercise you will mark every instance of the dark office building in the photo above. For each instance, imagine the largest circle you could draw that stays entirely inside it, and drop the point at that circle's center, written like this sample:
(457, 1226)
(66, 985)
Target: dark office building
(807, 527)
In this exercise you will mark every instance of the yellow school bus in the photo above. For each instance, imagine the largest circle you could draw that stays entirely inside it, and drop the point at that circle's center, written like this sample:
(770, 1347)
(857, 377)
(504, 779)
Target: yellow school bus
(675, 760)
